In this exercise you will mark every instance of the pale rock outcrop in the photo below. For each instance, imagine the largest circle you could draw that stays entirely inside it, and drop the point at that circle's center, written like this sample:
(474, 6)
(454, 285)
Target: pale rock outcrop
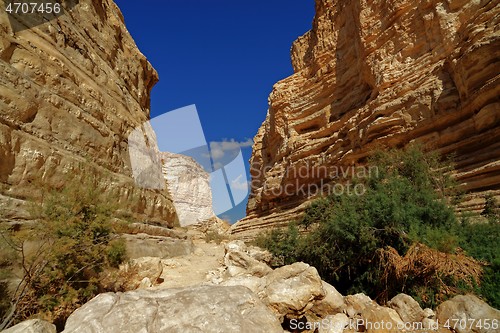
(379, 74)
(207, 309)
(253, 251)
(189, 186)
(332, 303)
(72, 89)
(290, 291)
(243, 260)
(32, 326)
(143, 245)
(467, 314)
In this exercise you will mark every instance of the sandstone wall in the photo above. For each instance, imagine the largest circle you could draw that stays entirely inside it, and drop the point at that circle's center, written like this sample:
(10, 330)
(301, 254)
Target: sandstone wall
(71, 91)
(375, 73)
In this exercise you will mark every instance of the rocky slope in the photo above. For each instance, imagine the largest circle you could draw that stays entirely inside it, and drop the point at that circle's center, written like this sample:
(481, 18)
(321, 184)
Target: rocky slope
(231, 288)
(71, 91)
(380, 74)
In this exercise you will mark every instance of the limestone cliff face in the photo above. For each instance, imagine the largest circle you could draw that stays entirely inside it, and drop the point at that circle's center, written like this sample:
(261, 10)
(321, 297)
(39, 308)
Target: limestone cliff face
(381, 74)
(189, 186)
(71, 91)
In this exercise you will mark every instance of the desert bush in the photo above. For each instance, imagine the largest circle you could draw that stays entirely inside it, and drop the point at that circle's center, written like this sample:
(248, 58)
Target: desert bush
(75, 243)
(216, 237)
(481, 241)
(406, 203)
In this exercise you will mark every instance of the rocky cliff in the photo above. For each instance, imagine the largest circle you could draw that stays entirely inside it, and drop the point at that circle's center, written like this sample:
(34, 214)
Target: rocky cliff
(189, 186)
(71, 91)
(380, 74)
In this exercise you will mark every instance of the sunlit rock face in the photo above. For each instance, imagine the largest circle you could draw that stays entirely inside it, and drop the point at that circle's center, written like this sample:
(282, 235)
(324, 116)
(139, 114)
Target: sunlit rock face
(189, 186)
(380, 74)
(71, 91)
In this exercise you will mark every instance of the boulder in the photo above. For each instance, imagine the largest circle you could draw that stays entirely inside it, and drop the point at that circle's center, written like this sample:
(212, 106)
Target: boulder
(334, 324)
(253, 251)
(332, 304)
(243, 260)
(203, 309)
(292, 290)
(368, 316)
(408, 309)
(32, 326)
(239, 263)
(470, 310)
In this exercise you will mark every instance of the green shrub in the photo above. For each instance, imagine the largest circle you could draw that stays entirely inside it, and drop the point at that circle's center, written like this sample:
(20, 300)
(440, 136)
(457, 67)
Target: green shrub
(283, 244)
(481, 241)
(214, 236)
(116, 252)
(406, 202)
(75, 244)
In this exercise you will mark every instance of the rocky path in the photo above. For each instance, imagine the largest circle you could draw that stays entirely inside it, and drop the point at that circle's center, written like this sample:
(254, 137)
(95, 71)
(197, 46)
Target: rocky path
(192, 269)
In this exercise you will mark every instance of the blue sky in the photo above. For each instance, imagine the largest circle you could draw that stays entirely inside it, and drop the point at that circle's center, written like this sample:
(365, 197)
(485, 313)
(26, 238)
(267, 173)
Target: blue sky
(223, 56)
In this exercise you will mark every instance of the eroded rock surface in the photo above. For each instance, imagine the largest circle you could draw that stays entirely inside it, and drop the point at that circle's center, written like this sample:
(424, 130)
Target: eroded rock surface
(380, 74)
(71, 91)
(204, 309)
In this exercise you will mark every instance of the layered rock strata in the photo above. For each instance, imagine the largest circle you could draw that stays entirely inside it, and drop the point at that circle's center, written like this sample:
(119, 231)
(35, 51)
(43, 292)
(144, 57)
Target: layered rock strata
(71, 91)
(376, 74)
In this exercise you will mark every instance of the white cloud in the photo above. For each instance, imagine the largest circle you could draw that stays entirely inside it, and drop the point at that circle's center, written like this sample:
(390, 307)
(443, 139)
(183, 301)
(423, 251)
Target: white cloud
(240, 183)
(226, 150)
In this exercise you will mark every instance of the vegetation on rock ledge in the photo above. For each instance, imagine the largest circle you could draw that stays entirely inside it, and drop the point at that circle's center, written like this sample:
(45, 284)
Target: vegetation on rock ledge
(401, 235)
(63, 257)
